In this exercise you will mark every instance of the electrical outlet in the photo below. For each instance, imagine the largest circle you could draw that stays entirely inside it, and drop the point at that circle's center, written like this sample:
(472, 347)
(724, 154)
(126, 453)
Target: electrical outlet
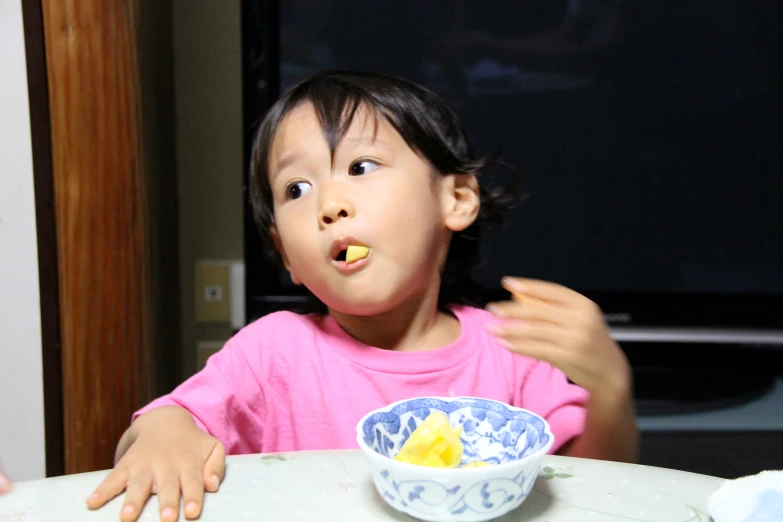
(205, 350)
(213, 292)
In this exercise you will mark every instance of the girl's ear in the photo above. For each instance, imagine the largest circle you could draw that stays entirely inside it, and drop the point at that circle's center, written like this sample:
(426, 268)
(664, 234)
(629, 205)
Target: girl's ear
(461, 201)
(281, 250)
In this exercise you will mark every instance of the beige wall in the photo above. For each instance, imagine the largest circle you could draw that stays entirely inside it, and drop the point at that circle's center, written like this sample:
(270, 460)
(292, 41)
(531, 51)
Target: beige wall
(208, 99)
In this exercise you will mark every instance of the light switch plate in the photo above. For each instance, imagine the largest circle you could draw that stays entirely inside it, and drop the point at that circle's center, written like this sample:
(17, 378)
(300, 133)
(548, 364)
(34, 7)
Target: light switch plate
(213, 292)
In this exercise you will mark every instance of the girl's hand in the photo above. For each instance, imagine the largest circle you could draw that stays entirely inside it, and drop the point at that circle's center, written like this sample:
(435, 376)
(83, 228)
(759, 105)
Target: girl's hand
(557, 325)
(169, 456)
(5, 483)
(565, 329)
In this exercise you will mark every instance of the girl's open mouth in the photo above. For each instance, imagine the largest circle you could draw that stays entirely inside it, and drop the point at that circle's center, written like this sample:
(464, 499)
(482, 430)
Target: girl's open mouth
(352, 258)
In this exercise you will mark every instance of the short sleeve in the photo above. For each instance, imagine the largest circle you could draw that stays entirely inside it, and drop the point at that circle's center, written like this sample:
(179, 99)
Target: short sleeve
(546, 391)
(225, 400)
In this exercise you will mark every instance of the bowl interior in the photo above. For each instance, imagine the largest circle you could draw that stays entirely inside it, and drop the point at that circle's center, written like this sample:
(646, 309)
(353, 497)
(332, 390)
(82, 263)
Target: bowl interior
(491, 431)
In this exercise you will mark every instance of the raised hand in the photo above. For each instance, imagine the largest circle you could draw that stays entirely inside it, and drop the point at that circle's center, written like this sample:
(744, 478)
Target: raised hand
(557, 325)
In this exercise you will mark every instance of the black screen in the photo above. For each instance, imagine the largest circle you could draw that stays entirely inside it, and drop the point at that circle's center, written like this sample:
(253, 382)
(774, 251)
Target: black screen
(647, 136)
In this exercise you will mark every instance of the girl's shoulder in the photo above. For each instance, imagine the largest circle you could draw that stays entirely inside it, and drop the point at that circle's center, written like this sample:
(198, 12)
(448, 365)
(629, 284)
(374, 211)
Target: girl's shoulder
(281, 323)
(270, 333)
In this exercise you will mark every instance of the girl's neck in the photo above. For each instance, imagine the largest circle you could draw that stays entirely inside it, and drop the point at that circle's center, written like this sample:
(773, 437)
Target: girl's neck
(417, 325)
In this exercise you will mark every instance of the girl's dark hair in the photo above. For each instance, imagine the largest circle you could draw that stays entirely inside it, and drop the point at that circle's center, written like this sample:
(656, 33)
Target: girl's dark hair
(423, 120)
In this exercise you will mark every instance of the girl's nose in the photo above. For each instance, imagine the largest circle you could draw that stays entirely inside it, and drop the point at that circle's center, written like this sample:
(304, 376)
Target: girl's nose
(332, 212)
(335, 205)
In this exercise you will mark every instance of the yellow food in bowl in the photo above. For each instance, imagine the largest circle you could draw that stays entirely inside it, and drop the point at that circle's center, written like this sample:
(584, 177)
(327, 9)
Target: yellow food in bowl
(433, 443)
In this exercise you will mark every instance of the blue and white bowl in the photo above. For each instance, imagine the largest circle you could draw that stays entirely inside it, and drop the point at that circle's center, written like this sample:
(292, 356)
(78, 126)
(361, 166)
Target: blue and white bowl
(514, 440)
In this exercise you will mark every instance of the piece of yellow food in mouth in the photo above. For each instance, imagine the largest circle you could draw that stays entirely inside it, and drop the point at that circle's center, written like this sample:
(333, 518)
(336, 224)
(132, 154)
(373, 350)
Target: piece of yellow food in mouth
(433, 443)
(354, 253)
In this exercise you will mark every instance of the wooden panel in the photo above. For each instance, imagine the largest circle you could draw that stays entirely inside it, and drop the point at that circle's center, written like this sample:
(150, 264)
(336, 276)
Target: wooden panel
(101, 222)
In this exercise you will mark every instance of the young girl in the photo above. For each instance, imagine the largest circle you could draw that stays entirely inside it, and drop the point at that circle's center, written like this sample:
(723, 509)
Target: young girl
(367, 189)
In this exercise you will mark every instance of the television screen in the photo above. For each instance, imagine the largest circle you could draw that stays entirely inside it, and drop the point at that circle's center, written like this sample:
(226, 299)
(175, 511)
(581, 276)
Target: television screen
(647, 136)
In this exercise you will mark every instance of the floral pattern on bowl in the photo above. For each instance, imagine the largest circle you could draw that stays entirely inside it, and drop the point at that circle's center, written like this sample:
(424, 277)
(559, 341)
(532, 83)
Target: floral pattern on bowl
(514, 440)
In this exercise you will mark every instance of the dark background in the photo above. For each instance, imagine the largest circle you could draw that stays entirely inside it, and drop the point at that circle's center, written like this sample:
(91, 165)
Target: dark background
(646, 137)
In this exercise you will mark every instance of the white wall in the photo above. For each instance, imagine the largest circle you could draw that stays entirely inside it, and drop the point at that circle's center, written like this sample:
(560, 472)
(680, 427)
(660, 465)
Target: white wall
(22, 450)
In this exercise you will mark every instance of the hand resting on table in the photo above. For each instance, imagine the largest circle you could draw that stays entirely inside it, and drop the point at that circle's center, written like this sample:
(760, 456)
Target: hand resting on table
(163, 452)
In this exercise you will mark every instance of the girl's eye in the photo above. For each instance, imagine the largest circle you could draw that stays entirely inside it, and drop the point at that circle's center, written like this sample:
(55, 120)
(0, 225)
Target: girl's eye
(298, 189)
(363, 167)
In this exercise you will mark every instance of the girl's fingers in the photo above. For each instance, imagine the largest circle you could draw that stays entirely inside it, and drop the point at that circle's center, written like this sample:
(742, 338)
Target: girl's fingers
(516, 331)
(5, 483)
(535, 349)
(136, 495)
(192, 481)
(543, 290)
(532, 313)
(168, 490)
(110, 487)
(215, 468)
(544, 342)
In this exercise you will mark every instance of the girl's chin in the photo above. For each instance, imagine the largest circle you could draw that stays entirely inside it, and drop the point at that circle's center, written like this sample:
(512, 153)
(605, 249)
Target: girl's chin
(365, 301)
(360, 305)
(364, 309)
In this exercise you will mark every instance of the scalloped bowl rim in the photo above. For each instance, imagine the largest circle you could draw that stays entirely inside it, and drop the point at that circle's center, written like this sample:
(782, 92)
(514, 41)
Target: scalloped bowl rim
(540, 452)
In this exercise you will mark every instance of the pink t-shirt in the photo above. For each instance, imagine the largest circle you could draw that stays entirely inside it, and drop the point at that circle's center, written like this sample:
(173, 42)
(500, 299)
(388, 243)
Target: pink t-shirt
(298, 382)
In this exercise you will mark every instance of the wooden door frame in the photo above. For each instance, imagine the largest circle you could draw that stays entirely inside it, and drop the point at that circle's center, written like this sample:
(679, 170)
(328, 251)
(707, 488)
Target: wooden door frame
(93, 260)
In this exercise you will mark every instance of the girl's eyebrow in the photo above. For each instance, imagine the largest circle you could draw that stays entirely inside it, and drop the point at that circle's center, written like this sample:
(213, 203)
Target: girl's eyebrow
(369, 140)
(286, 161)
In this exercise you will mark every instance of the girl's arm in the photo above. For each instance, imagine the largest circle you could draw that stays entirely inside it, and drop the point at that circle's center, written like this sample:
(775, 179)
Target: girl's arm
(610, 430)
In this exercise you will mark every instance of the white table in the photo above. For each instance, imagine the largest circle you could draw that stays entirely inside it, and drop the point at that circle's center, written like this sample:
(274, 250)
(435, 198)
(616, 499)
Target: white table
(336, 486)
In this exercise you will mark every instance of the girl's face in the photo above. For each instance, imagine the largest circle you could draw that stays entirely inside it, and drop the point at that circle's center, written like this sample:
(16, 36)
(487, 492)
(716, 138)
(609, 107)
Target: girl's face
(376, 193)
